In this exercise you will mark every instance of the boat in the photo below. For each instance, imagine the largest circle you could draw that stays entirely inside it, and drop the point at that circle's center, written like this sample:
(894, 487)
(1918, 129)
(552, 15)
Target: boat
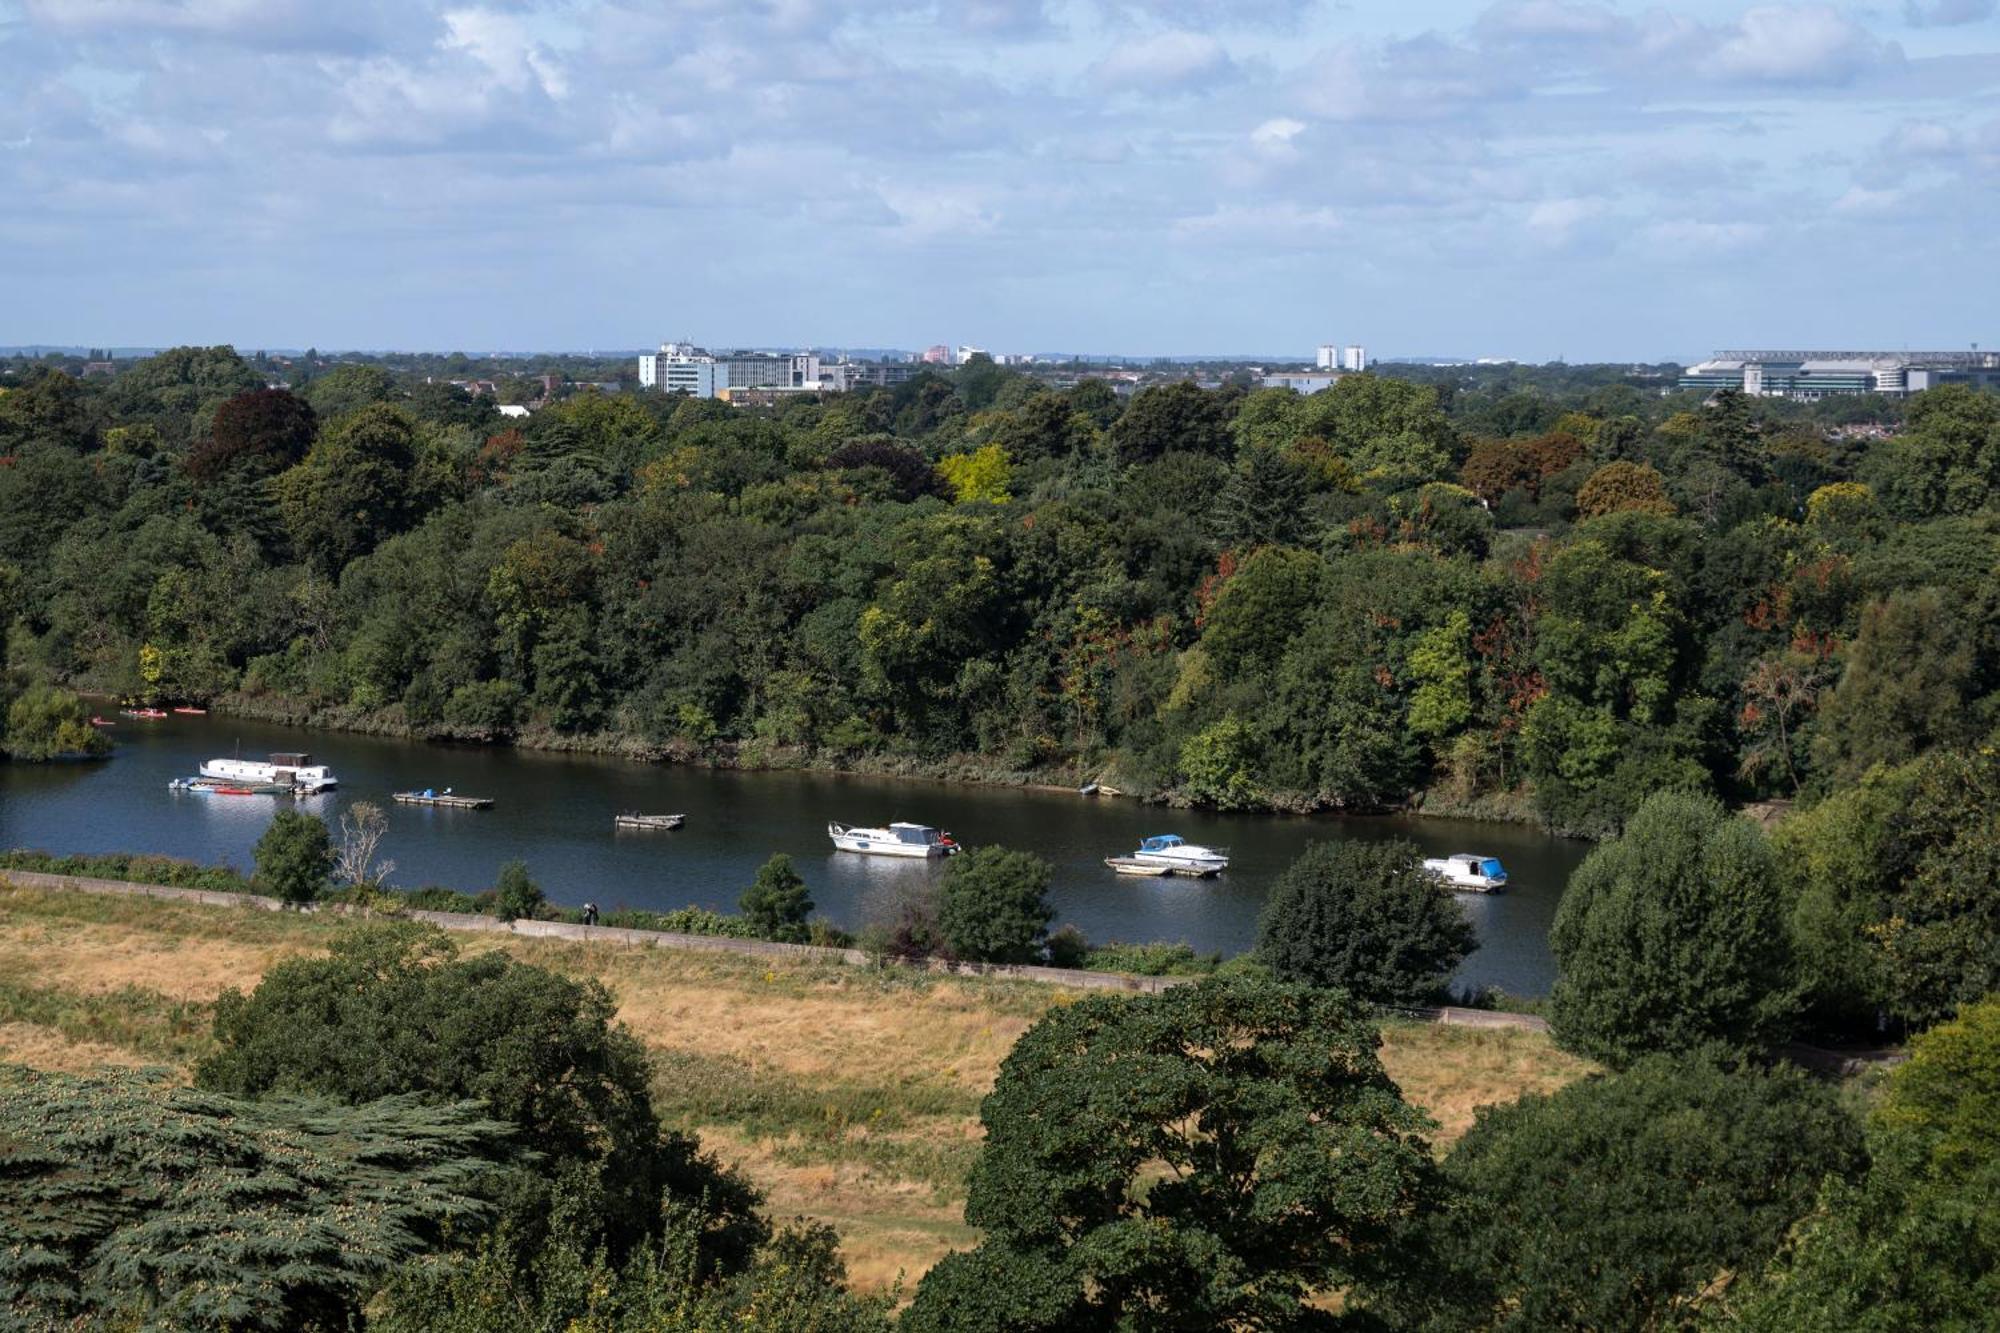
(192, 712)
(1172, 850)
(1467, 873)
(1132, 865)
(648, 821)
(220, 787)
(895, 840)
(143, 714)
(447, 797)
(288, 769)
(97, 721)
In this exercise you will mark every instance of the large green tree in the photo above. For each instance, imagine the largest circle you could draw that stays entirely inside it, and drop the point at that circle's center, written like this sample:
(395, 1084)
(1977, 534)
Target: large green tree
(993, 906)
(1216, 1156)
(393, 1010)
(293, 858)
(1672, 937)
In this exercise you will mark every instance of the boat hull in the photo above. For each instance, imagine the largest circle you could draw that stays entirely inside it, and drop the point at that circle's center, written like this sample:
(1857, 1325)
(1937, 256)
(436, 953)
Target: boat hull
(1185, 865)
(848, 842)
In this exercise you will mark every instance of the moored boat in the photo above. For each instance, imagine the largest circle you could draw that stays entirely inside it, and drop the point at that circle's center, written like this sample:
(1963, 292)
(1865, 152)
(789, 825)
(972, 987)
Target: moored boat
(1468, 873)
(1176, 852)
(447, 797)
(192, 712)
(143, 714)
(896, 840)
(1132, 865)
(649, 821)
(97, 721)
(288, 769)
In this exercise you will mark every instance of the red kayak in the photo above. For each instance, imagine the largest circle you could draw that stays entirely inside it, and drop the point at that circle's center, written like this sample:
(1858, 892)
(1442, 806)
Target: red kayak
(193, 712)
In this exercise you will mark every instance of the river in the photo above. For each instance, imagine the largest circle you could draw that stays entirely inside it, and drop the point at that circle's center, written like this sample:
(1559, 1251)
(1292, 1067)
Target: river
(555, 813)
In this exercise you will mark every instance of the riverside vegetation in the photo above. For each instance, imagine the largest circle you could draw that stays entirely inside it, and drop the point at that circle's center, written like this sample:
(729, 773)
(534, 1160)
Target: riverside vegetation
(1538, 593)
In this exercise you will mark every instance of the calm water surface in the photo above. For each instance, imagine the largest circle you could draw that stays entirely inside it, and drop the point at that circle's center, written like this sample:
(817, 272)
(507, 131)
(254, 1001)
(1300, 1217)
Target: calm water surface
(554, 812)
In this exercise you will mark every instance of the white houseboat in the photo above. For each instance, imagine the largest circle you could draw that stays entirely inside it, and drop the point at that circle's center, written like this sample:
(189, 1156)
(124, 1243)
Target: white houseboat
(296, 771)
(1468, 873)
(895, 840)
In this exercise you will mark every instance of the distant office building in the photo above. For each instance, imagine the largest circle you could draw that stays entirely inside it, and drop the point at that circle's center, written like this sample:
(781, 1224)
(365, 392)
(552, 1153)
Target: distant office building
(1809, 376)
(1328, 356)
(1354, 359)
(699, 373)
(967, 352)
(937, 355)
(1299, 381)
(845, 376)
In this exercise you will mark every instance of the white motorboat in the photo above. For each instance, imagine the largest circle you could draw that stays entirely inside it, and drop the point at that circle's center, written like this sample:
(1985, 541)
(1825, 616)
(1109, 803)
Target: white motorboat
(1170, 849)
(296, 771)
(895, 840)
(1468, 873)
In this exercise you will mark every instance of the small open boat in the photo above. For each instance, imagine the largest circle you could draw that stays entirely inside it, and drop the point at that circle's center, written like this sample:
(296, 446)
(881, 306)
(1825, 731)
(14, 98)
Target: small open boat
(630, 820)
(1132, 865)
(192, 712)
(445, 798)
(97, 721)
(143, 714)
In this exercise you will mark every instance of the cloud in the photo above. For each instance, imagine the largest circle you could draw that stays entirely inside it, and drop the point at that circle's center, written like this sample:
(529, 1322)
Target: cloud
(1798, 44)
(1947, 13)
(1423, 79)
(1172, 61)
(282, 25)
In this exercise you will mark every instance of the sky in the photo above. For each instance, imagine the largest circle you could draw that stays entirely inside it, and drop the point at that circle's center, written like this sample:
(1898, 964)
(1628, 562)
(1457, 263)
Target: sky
(1539, 179)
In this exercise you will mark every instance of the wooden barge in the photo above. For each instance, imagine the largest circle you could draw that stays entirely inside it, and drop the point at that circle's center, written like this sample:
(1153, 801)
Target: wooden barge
(649, 821)
(450, 799)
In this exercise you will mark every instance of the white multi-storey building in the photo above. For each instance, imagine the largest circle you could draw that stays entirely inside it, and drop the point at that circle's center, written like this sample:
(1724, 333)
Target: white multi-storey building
(685, 368)
(1328, 357)
(1355, 358)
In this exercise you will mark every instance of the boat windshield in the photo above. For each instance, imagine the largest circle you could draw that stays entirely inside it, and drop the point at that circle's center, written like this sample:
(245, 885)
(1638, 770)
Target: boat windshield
(913, 833)
(1490, 867)
(1160, 843)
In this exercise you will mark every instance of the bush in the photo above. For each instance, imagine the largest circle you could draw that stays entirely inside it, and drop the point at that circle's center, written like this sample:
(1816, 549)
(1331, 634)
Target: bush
(992, 906)
(1618, 1201)
(393, 1010)
(131, 869)
(1366, 918)
(515, 895)
(776, 906)
(1150, 960)
(1672, 937)
(294, 858)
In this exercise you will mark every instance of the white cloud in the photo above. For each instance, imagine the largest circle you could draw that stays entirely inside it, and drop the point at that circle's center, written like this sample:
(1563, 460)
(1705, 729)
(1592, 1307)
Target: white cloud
(502, 45)
(1687, 238)
(1168, 61)
(1798, 44)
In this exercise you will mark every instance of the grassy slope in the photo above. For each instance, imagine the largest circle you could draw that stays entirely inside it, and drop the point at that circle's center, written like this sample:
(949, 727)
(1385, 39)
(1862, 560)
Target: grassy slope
(851, 1096)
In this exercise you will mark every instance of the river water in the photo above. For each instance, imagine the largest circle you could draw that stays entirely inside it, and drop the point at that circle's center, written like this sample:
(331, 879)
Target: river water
(555, 813)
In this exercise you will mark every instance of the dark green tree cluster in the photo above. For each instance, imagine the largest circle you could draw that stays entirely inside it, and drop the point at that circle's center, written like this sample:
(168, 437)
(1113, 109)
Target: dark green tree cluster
(1554, 593)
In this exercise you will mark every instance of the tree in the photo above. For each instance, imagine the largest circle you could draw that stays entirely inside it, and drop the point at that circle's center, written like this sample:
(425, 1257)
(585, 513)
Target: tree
(261, 433)
(294, 858)
(393, 1010)
(354, 489)
(1916, 1244)
(1622, 1201)
(129, 1202)
(1366, 918)
(909, 475)
(1167, 418)
(979, 477)
(992, 906)
(45, 722)
(346, 389)
(1213, 1156)
(1907, 680)
(1671, 937)
(778, 902)
(1939, 931)
(1262, 607)
(516, 895)
(362, 826)
(1620, 487)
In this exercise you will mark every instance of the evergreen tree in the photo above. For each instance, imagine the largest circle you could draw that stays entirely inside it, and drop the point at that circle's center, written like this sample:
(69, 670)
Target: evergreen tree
(992, 906)
(294, 858)
(1366, 918)
(777, 904)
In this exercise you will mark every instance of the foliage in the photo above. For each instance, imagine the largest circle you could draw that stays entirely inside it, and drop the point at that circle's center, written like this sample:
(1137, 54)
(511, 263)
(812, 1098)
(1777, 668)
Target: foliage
(45, 722)
(1622, 487)
(516, 895)
(130, 1202)
(1290, 1160)
(1623, 1201)
(1940, 930)
(1672, 937)
(777, 903)
(979, 477)
(992, 906)
(1365, 918)
(1916, 1243)
(294, 858)
(393, 1010)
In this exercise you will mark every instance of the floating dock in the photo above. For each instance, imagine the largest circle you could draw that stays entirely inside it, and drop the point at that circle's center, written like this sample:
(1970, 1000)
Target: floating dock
(649, 821)
(450, 799)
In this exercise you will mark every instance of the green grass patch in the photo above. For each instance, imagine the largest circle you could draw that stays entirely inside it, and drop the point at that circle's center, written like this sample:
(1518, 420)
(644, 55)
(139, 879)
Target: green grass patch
(145, 1022)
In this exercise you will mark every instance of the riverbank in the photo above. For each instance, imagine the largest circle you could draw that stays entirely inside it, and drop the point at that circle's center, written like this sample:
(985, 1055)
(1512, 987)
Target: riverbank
(849, 1094)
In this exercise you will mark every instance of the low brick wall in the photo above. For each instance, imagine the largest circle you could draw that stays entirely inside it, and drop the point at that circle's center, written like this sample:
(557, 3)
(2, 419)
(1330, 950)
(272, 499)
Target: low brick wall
(666, 939)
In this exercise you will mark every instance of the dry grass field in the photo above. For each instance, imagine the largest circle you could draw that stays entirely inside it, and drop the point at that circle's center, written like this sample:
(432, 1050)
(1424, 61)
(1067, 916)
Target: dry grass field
(850, 1095)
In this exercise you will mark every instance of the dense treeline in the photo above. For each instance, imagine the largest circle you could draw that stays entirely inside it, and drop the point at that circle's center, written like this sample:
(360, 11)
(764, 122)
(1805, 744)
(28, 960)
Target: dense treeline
(1555, 599)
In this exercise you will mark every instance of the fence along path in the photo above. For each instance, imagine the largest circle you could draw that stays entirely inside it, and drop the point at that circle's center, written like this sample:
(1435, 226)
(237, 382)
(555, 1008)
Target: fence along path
(667, 939)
